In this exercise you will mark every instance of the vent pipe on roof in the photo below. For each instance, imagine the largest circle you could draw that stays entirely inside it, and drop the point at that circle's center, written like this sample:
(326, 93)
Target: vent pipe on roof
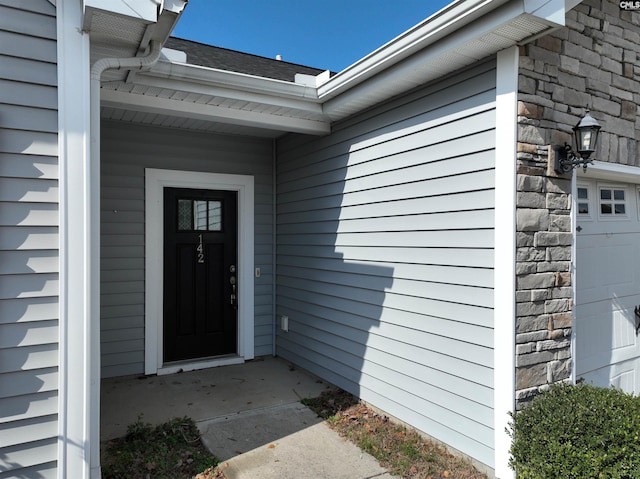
(279, 58)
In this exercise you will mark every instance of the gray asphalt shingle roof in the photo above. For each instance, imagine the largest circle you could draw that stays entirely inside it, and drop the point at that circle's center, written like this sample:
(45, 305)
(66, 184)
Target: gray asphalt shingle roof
(231, 60)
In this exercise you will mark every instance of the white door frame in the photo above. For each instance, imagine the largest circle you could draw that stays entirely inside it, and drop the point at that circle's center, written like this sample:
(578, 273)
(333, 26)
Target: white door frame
(155, 182)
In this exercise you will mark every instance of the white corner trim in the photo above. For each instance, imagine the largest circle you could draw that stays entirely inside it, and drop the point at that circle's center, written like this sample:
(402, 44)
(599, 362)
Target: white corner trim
(155, 182)
(79, 359)
(574, 247)
(505, 257)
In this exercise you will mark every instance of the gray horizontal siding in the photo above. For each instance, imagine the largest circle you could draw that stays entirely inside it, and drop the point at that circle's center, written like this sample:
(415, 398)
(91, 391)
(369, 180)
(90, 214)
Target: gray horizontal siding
(385, 237)
(127, 150)
(28, 240)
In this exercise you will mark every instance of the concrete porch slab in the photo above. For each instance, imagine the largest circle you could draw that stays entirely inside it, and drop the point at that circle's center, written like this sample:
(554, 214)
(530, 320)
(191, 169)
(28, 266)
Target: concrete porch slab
(203, 395)
(250, 417)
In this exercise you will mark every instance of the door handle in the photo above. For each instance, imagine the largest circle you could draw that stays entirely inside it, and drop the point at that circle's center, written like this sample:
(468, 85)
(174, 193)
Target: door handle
(637, 312)
(232, 280)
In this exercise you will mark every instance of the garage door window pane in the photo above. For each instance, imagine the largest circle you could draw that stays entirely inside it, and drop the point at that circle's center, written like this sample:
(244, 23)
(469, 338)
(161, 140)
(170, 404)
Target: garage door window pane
(583, 201)
(613, 201)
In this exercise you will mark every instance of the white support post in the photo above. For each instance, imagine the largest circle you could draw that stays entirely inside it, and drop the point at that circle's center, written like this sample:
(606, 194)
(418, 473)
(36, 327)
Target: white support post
(78, 406)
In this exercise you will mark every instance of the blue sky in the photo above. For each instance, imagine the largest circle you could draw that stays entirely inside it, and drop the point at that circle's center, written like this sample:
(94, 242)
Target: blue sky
(327, 34)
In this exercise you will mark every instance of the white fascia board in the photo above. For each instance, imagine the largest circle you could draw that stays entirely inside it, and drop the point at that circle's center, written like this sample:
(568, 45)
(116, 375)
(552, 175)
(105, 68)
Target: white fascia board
(170, 55)
(313, 80)
(174, 6)
(199, 111)
(437, 26)
(146, 10)
(449, 28)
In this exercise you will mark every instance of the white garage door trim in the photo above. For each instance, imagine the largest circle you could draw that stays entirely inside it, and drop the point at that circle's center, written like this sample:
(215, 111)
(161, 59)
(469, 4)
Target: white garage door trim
(610, 171)
(603, 175)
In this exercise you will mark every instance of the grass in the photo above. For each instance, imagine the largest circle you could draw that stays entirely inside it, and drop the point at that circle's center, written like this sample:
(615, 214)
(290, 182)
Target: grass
(401, 451)
(171, 450)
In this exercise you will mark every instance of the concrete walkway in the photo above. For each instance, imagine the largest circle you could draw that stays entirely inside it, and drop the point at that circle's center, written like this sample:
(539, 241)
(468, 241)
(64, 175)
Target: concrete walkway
(311, 451)
(250, 417)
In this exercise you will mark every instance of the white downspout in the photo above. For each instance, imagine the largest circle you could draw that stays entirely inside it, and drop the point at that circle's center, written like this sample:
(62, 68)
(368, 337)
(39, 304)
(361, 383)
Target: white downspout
(98, 68)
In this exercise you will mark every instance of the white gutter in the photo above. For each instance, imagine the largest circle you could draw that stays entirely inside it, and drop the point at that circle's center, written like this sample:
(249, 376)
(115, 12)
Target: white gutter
(133, 63)
(213, 77)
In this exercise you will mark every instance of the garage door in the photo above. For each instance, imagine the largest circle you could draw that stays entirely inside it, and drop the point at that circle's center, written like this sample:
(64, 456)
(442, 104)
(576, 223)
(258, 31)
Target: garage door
(608, 284)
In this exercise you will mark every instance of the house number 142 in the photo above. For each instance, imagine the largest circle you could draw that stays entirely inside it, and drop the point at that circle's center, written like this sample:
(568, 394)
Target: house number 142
(200, 250)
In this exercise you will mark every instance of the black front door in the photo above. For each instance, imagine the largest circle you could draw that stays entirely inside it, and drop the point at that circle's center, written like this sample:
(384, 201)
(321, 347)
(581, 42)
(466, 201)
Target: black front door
(200, 273)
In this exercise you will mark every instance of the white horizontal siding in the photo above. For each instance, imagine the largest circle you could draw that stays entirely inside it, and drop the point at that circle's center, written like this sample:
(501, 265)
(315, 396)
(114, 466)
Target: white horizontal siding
(127, 150)
(26, 310)
(28, 240)
(385, 234)
(34, 459)
(28, 237)
(34, 405)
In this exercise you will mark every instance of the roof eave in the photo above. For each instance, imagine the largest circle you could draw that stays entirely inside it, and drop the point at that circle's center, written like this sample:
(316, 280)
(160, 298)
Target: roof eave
(448, 39)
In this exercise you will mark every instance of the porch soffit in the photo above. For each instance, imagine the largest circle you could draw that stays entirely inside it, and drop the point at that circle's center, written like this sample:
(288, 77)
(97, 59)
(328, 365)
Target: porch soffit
(172, 91)
(198, 97)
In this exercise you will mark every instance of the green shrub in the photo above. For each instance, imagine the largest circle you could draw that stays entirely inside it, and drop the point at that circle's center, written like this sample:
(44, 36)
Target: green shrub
(577, 432)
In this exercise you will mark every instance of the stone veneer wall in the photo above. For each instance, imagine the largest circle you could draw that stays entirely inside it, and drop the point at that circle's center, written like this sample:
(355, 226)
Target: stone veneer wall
(594, 61)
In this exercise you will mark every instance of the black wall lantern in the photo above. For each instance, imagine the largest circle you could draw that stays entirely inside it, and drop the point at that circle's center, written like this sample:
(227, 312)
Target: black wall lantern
(586, 137)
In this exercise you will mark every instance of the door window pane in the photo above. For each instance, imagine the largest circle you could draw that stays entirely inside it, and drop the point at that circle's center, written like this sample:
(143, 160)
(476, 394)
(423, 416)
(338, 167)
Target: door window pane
(199, 215)
(184, 215)
(215, 215)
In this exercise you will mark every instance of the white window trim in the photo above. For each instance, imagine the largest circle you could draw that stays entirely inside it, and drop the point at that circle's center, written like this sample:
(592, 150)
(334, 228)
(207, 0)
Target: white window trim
(598, 200)
(155, 181)
(589, 201)
(505, 262)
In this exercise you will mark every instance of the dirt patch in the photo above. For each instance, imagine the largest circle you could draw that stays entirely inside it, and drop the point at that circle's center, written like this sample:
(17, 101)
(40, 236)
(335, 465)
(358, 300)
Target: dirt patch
(171, 450)
(401, 451)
